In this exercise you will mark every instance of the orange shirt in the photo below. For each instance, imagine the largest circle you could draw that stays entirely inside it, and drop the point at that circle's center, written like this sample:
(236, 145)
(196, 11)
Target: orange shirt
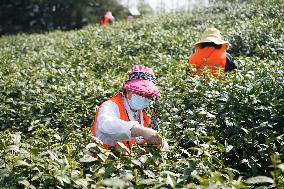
(105, 21)
(210, 57)
(117, 99)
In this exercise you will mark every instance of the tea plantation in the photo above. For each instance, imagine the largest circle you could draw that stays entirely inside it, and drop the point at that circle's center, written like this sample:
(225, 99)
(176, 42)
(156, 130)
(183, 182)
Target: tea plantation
(223, 133)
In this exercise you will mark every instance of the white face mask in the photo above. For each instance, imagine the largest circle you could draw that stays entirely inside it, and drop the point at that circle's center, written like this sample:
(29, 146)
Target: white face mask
(139, 102)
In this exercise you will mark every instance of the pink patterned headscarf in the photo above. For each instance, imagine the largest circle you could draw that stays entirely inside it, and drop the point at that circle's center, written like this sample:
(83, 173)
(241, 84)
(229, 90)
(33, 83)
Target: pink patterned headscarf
(109, 15)
(142, 80)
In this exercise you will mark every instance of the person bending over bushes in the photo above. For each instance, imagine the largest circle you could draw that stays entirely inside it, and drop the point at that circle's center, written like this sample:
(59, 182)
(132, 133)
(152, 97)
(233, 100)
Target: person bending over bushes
(211, 53)
(122, 118)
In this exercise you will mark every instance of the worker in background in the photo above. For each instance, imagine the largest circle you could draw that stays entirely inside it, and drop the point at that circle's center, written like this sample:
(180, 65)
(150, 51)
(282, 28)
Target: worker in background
(211, 52)
(107, 19)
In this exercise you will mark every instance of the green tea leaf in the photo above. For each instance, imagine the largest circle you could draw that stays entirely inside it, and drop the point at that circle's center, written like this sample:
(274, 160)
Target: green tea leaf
(259, 179)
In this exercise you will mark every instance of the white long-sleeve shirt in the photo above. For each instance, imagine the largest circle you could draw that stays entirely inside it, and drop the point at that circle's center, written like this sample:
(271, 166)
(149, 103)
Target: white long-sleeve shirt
(110, 129)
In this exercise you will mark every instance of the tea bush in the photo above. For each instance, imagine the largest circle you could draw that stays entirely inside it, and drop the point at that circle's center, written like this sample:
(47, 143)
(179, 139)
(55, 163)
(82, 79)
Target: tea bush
(223, 132)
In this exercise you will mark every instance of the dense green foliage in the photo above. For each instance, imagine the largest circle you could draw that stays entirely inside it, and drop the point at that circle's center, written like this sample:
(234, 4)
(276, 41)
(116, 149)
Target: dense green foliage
(223, 133)
(46, 15)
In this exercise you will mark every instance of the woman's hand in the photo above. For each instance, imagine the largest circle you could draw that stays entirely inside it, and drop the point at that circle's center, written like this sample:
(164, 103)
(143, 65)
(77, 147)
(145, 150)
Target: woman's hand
(151, 136)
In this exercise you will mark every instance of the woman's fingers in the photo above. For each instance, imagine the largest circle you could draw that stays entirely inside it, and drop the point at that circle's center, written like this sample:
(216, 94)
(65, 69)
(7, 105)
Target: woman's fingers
(151, 136)
(154, 138)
